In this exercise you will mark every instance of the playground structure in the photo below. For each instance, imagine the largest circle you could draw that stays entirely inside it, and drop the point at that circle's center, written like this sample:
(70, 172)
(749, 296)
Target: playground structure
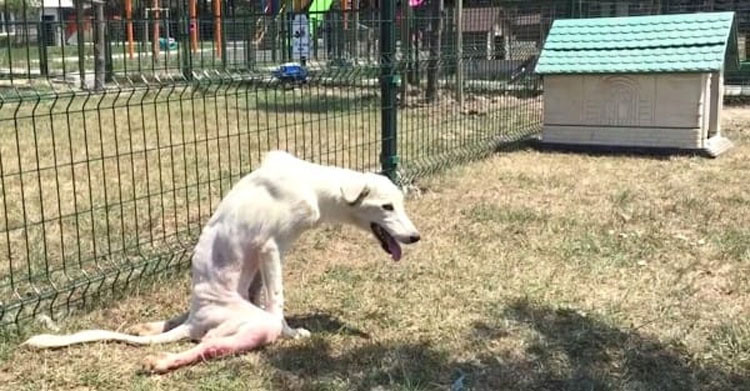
(159, 15)
(268, 8)
(172, 37)
(154, 13)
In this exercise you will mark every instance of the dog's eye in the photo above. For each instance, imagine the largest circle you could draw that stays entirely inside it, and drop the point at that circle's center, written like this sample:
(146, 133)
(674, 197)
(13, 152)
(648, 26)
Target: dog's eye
(388, 207)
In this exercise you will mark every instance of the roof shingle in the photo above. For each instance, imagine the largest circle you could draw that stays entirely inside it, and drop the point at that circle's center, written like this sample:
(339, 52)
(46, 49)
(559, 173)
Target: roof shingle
(640, 44)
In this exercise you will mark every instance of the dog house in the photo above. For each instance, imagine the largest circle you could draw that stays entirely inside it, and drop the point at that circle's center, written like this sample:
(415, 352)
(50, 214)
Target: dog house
(643, 82)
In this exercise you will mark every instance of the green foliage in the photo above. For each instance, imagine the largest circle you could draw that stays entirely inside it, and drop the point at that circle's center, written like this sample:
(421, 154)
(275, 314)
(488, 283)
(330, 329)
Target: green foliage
(17, 6)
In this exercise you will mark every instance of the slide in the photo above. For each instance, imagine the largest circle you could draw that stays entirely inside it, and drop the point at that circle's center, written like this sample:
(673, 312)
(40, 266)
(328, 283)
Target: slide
(269, 8)
(316, 10)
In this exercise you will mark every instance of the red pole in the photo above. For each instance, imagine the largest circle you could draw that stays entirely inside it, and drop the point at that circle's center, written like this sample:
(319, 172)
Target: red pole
(344, 7)
(156, 31)
(193, 26)
(217, 26)
(129, 17)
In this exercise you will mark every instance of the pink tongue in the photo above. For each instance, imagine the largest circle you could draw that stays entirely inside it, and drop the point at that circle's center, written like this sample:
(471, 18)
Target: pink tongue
(394, 248)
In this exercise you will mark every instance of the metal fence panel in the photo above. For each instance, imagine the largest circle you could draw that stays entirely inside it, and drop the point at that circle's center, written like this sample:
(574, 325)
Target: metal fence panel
(124, 126)
(107, 174)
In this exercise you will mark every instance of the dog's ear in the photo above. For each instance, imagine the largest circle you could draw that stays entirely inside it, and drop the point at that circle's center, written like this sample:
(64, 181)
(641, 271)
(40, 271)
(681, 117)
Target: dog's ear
(354, 193)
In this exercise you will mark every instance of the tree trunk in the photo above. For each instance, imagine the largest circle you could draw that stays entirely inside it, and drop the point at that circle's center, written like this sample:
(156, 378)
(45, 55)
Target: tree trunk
(355, 39)
(433, 65)
(405, 50)
(99, 59)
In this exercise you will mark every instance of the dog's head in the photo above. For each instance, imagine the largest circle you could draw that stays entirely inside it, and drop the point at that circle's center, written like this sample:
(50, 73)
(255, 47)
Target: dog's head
(375, 203)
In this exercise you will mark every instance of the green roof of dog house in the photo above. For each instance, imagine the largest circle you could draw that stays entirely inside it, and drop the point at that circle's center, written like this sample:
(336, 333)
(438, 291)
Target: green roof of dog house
(699, 42)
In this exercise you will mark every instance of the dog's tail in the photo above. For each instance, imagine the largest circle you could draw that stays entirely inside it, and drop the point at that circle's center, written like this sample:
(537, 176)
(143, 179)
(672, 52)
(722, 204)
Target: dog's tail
(43, 341)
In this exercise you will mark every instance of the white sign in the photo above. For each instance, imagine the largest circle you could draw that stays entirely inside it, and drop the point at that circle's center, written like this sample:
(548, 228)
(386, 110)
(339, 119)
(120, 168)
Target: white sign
(300, 37)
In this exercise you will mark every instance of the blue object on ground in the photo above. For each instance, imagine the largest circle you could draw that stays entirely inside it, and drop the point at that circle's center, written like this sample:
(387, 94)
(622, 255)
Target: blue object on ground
(291, 72)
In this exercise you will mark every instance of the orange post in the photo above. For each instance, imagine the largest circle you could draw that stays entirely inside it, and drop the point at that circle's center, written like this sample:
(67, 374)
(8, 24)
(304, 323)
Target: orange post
(193, 25)
(344, 7)
(129, 18)
(217, 26)
(156, 30)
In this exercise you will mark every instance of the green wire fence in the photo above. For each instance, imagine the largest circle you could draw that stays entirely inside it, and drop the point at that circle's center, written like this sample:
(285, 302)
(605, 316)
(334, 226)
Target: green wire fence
(110, 162)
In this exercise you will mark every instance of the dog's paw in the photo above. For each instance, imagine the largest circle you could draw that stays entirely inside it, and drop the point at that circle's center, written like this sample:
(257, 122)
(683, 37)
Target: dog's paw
(297, 333)
(301, 333)
(156, 364)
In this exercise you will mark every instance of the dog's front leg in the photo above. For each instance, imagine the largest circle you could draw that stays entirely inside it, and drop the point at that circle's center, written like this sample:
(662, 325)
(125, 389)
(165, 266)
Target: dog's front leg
(270, 268)
(255, 292)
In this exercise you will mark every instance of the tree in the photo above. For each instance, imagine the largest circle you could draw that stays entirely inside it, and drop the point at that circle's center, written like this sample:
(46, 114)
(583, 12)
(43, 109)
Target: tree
(17, 6)
(433, 64)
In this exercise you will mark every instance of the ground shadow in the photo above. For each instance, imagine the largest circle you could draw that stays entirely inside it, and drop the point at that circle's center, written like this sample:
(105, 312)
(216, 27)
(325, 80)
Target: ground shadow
(315, 365)
(562, 350)
(598, 356)
(316, 101)
(324, 323)
(736, 100)
(660, 154)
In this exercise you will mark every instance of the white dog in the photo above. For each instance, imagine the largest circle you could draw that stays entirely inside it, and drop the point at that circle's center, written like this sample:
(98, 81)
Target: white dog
(240, 251)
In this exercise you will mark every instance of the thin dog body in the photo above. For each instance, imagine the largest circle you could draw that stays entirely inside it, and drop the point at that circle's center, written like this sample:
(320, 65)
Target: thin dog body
(239, 256)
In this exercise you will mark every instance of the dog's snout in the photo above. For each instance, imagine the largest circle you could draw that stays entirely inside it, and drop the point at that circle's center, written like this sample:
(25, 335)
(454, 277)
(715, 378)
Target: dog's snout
(414, 238)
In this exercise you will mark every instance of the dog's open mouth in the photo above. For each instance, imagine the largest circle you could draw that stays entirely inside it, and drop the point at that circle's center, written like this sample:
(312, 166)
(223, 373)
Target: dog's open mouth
(389, 244)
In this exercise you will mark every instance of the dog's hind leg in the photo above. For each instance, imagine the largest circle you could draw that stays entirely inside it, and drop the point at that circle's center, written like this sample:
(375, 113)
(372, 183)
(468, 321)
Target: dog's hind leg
(249, 331)
(153, 328)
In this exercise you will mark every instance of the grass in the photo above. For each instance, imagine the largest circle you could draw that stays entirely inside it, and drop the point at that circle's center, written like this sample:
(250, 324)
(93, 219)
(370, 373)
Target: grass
(537, 271)
(95, 183)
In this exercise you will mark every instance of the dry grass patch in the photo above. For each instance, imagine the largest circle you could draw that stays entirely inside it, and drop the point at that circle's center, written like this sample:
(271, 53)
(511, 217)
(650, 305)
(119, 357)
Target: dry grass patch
(92, 183)
(538, 271)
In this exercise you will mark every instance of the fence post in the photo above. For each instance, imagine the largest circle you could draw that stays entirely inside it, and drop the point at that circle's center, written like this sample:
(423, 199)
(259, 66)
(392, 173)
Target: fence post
(223, 34)
(42, 42)
(79, 43)
(459, 53)
(388, 86)
(274, 35)
(187, 38)
(288, 29)
(109, 66)
(250, 41)
(99, 55)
